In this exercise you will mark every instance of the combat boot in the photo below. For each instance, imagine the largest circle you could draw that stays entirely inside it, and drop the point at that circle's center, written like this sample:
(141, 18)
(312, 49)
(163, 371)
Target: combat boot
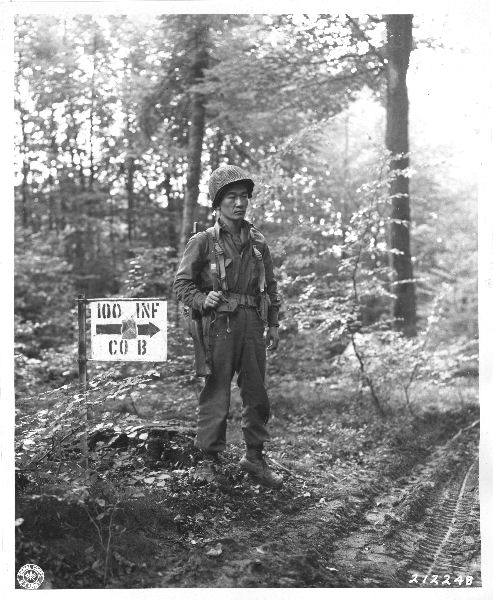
(255, 465)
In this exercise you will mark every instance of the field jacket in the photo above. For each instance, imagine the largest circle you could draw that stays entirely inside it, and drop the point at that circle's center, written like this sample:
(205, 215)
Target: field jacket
(193, 279)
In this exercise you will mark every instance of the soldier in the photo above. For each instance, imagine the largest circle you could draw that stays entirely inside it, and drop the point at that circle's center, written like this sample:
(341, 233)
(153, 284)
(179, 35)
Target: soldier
(226, 278)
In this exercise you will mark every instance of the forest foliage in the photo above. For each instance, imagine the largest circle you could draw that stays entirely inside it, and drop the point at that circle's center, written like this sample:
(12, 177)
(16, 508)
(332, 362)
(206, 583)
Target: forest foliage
(103, 109)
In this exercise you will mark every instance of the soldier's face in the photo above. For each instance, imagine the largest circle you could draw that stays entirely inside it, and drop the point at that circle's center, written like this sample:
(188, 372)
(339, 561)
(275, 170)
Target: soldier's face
(235, 202)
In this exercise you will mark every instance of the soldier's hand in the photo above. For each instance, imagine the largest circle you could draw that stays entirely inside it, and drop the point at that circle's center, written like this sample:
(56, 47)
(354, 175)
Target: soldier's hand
(213, 299)
(272, 338)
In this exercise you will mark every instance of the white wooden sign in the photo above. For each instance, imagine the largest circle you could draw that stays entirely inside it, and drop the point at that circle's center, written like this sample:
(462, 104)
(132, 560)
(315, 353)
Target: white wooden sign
(128, 329)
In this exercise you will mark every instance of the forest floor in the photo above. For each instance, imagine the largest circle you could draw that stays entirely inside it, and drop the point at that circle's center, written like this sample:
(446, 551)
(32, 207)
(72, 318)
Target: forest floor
(366, 501)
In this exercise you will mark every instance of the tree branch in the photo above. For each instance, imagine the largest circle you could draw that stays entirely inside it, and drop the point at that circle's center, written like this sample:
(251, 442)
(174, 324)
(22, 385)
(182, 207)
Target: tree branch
(365, 38)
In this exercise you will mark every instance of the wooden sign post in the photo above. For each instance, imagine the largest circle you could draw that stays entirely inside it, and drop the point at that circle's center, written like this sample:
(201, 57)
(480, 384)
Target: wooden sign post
(81, 317)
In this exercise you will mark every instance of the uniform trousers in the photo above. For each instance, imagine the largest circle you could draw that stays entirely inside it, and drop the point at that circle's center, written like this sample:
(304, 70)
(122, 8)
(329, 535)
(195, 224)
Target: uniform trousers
(242, 351)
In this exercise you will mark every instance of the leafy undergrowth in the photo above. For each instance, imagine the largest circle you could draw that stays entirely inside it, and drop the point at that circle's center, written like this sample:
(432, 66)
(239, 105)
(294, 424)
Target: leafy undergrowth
(136, 517)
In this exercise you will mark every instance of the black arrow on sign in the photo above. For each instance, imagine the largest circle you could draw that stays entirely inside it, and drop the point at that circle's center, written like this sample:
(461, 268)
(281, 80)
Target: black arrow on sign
(109, 329)
(149, 329)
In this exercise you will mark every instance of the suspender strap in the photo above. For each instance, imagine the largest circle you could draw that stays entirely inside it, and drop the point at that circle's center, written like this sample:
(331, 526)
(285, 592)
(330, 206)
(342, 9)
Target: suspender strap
(222, 267)
(264, 300)
(212, 257)
(261, 268)
(218, 266)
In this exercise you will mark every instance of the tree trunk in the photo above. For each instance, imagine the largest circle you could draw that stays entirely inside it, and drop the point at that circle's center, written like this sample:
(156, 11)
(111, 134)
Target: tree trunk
(91, 114)
(171, 237)
(399, 45)
(196, 132)
(53, 220)
(26, 208)
(129, 185)
(74, 149)
(112, 233)
(216, 150)
(130, 159)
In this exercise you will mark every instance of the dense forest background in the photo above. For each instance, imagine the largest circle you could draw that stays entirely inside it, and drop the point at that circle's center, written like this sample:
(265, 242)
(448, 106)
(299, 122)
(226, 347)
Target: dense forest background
(105, 137)
(119, 122)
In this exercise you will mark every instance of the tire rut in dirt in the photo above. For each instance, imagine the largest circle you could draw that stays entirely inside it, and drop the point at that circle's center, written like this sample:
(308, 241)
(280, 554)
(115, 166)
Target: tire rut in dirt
(426, 525)
(445, 531)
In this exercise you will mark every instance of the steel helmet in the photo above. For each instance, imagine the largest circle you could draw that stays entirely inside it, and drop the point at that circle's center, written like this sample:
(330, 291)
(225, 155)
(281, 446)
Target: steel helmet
(223, 177)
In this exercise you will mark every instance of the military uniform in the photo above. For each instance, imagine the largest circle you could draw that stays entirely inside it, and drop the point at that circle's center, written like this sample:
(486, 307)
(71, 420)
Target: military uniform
(237, 262)
(236, 330)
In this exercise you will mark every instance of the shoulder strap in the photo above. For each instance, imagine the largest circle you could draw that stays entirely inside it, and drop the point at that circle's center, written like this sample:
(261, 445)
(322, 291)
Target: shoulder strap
(212, 258)
(218, 267)
(261, 268)
(258, 256)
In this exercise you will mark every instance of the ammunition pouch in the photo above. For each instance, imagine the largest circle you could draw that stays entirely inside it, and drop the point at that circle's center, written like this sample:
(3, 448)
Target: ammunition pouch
(231, 301)
(229, 304)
